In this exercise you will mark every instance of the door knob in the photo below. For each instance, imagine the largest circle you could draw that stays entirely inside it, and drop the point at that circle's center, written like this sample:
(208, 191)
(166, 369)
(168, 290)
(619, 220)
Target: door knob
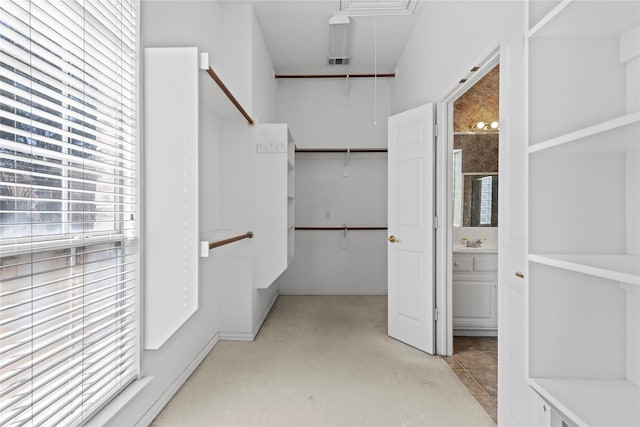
(393, 239)
(519, 275)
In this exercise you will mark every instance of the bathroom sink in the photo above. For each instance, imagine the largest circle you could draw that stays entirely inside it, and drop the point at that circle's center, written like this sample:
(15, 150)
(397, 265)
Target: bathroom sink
(488, 249)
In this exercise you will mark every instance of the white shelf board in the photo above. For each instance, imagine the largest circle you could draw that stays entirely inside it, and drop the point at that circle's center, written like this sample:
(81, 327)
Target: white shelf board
(579, 18)
(618, 135)
(619, 267)
(592, 402)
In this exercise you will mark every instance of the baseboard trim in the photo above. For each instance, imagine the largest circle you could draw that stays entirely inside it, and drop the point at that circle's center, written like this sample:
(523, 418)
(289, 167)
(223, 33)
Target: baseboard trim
(475, 332)
(236, 336)
(162, 401)
(264, 315)
(329, 292)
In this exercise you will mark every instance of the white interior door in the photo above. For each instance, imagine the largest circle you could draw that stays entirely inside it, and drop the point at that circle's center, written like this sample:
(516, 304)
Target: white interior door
(410, 216)
(515, 398)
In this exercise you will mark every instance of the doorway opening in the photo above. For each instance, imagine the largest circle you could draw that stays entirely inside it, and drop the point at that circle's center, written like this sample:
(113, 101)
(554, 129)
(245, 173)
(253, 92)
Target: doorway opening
(474, 194)
(472, 133)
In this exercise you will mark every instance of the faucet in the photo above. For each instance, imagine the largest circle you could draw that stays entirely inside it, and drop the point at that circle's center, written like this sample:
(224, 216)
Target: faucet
(473, 243)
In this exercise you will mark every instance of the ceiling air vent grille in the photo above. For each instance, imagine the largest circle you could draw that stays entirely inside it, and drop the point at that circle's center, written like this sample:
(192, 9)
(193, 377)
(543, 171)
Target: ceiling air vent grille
(339, 60)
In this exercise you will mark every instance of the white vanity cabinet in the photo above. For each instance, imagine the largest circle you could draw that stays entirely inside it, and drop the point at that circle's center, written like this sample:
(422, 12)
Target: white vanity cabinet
(475, 293)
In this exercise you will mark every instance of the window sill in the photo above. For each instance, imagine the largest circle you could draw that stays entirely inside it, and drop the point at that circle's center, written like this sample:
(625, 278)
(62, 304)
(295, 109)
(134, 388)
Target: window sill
(119, 402)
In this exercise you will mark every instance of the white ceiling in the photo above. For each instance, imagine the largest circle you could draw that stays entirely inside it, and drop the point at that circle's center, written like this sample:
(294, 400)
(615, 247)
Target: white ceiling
(297, 35)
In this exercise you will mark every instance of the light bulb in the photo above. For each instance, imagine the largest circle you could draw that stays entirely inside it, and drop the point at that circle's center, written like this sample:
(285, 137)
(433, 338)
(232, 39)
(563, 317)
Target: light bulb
(480, 125)
(494, 125)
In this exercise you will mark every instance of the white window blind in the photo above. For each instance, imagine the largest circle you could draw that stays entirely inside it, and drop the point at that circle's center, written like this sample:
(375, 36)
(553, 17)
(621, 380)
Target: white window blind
(69, 338)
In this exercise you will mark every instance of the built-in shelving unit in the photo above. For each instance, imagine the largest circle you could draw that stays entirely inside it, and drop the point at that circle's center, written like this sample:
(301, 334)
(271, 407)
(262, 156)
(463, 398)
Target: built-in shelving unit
(619, 267)
(584, 209)
(582, 400)
(275, 209)
(291, 198)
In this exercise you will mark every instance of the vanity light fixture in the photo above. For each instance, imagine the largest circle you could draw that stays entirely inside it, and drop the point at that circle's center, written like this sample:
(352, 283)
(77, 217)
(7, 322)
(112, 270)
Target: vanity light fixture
(494, 125)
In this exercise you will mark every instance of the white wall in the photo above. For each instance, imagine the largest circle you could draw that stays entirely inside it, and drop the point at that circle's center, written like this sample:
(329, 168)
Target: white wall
(193, 23)
(321, 114)
(233, 62)
(228, 303)
(633, 202)
(263, 82)
(449, 39)
(264, 91)
(329, 261)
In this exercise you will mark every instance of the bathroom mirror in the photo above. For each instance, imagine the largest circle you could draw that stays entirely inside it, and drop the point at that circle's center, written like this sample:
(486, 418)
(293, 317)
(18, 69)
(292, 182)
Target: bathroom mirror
(475, 194)
(480, 200)
(475, 199)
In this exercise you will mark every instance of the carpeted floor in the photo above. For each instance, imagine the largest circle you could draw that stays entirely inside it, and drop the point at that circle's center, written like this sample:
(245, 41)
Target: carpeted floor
(323, 361)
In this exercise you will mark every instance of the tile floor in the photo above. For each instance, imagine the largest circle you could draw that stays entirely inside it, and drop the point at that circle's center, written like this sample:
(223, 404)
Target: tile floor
(475, 362)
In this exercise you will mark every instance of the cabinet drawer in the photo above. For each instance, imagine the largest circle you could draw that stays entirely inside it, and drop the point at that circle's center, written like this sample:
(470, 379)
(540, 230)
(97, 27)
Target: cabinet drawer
(462, 263)
(488, 262)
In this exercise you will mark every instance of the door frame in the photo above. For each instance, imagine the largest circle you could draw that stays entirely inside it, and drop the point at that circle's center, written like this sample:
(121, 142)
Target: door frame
(444, 200)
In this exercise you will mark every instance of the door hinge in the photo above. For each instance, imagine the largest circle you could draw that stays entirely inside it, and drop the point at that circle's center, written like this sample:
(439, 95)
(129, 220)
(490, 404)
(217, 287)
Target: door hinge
(436, 222)
(435, 313)
(435, 129)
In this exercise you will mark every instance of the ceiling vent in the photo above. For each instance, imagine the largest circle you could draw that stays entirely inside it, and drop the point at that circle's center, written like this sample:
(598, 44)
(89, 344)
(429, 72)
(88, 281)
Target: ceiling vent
(374, 7)
(339, 33)
(339, 61)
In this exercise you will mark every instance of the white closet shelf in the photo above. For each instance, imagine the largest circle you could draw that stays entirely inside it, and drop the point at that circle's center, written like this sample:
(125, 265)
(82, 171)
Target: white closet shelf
(619, 267)
(592, 402)
(573, 18)
(618, 135)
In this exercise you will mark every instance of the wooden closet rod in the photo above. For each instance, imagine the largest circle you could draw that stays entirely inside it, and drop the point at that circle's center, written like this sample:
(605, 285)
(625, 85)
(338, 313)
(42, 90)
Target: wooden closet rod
(341, 228)
(232, 98)
(247, 235)
(341, 150)
(332, 76)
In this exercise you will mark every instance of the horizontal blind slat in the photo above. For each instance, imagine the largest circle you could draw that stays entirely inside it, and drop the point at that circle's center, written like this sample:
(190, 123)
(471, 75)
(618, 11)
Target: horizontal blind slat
(41, 114)
(52, 339)
(69, 336)
(90, 137)
(68, 312)
(121, 263)
(63, 38)
(50, 355)
(59, 390)
(55, 155)
(51, 371)
(127, 176)
(49, 307)
(16, 58)
(115, 127)
(127, 189)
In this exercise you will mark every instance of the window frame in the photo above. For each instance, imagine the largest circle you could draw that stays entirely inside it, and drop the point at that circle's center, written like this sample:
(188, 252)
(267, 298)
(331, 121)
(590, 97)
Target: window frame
(128, 238)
